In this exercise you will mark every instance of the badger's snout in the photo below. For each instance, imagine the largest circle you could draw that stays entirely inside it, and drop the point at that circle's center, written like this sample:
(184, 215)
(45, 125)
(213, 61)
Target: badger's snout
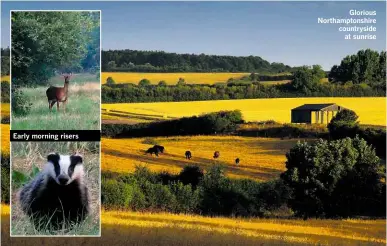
(62, 179)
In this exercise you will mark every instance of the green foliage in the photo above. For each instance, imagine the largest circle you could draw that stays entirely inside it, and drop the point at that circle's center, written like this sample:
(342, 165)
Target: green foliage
(110, 81)
(115, 194)
(343, 124)
(36, 37)
(367, 66)
(144, 83)
(162, 83)
(20, 104)
(5, 181)
(159, 61)
(306, 79)
(5, 92)
(181, 82)
(315, 173)
(219, 122)
(20, 178)
(4, 61)
(234, 89)
(187, 198)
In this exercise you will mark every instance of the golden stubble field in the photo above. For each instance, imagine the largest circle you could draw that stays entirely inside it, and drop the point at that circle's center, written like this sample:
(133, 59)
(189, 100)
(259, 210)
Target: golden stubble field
(134, 228)
(261, 159)
(371, 110)
(172, 78)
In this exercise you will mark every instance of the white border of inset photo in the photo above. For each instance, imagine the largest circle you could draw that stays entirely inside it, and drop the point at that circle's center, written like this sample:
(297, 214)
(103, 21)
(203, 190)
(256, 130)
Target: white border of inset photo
(100, 122)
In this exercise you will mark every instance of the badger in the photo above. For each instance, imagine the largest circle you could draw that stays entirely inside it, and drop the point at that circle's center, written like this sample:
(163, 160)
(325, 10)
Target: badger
(57, 196)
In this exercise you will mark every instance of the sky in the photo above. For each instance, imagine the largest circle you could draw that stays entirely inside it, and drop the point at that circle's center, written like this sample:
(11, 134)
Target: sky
(285, 32)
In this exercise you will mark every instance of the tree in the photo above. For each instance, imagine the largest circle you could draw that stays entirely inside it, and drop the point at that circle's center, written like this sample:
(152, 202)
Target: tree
(181, 81)
(144, 82)
(306, 79)
(110, 81)
(162, 83)
(367, 66)
(343, 124)
(317, 172)
(45, 42)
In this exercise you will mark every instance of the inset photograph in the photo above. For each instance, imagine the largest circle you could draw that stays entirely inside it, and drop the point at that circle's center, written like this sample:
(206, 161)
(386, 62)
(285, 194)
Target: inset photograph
(55, 189)
(55, 70)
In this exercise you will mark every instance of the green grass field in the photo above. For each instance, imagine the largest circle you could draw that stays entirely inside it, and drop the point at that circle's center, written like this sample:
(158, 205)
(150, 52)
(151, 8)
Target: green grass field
(82, 108)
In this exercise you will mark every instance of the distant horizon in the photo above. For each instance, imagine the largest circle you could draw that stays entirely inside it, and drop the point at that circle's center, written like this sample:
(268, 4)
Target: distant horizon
(281, 32)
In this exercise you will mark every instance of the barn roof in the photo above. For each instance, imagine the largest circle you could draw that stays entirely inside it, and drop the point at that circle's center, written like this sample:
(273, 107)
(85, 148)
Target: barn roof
(314, 107)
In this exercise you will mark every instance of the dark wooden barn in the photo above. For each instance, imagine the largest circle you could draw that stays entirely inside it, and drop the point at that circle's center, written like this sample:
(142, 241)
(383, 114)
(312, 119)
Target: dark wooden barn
(315, 113)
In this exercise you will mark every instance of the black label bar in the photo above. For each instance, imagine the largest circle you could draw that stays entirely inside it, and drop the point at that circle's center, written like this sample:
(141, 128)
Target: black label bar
(55, 135)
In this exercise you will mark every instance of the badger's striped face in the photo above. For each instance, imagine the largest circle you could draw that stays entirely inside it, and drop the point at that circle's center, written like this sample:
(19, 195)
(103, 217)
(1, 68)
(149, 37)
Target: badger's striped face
(64, 168)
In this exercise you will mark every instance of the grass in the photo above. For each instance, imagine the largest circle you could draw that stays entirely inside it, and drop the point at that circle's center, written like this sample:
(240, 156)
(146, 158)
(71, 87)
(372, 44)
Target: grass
(134, 228)
(371, 110)
(172, 78)
(260, 158)
(27, 154)
(82, 109)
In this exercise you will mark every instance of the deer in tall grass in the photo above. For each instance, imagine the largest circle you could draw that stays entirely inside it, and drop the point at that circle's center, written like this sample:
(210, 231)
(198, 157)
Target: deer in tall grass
(59, 94)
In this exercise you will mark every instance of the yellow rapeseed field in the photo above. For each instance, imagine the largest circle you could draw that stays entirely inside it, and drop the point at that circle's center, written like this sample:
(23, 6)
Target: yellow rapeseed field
(5, 109)
(260, 158)
(134, 228)
(371, 110)
(5, 78)
(5, 138)
(172, 78)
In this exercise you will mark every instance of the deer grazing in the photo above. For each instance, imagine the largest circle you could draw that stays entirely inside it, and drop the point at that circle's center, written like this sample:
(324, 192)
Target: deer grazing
(58, 94)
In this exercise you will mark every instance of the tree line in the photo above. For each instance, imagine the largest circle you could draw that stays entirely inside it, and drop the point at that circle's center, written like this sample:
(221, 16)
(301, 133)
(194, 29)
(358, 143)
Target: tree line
(160, 61)
(121, 93)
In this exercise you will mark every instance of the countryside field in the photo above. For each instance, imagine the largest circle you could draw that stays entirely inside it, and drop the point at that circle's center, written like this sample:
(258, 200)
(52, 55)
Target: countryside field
(261, 159)
(5, 109)
(130, 228)
(82, 107)
(172, 78)
(371, 110)
(5, 138)
(5, 78)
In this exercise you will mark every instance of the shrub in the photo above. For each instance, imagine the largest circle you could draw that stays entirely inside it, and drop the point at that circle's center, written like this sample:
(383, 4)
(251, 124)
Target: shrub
(315, 173)
(110, 81)
(20, 104)
(187, 199)
(162, 83)
(191, 175)
(115, 194)
(158, 197)
(144, 82)
(5, 182)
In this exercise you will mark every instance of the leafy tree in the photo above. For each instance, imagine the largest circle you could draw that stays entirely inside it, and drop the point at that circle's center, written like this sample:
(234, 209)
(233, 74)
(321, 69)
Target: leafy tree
(344, 124)
(162, 83)
(316, 172)
(144, 82)
(110, 81)
(367, 66)
(45, 42)
(181, 81)
(306, 79)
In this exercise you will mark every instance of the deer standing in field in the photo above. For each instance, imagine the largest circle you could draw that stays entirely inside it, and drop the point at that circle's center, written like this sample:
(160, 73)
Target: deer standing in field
(58, 94)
